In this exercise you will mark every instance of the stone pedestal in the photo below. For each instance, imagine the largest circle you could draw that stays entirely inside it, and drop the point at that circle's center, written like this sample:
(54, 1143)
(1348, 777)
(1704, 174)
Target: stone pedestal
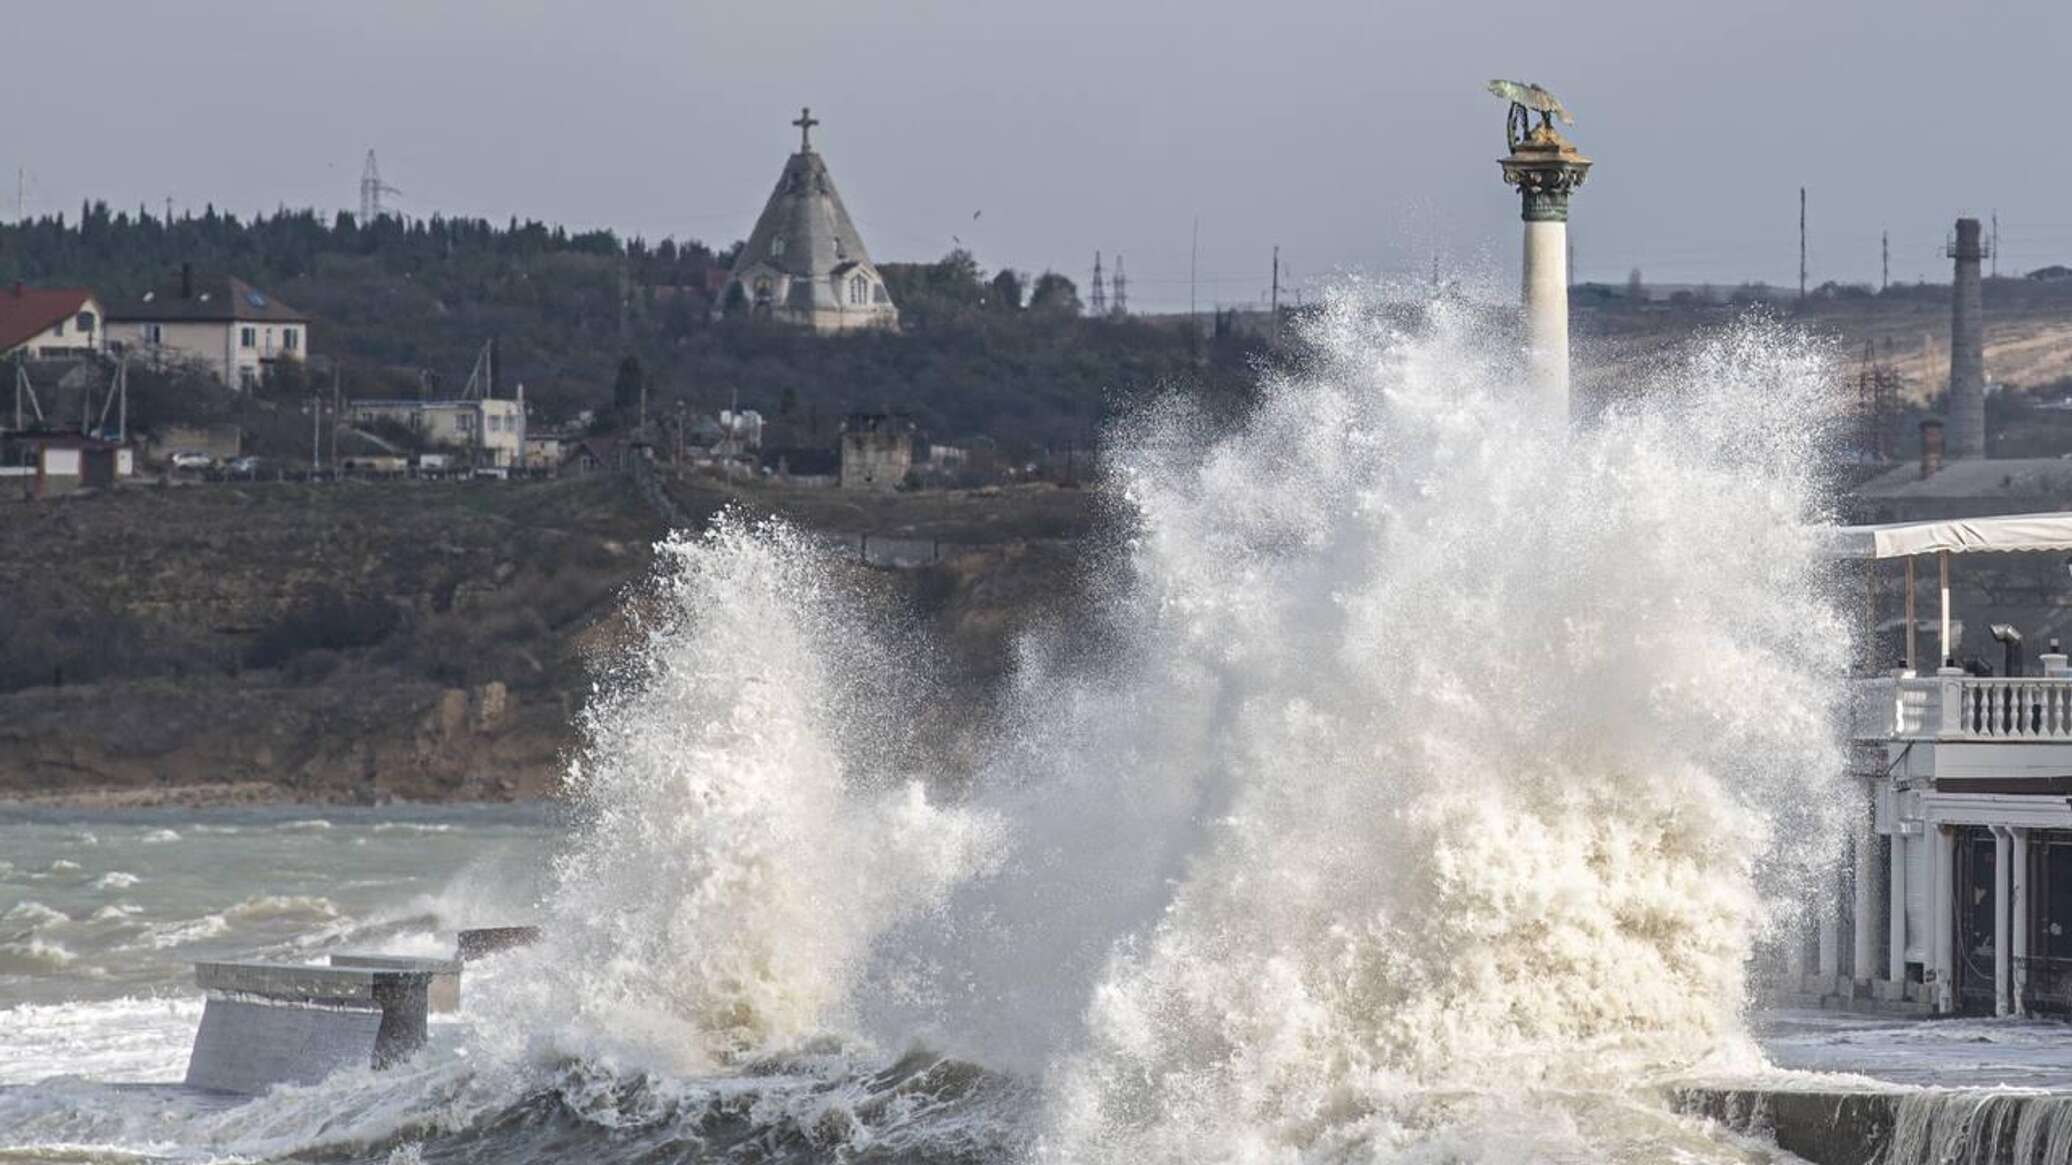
(1545, 168)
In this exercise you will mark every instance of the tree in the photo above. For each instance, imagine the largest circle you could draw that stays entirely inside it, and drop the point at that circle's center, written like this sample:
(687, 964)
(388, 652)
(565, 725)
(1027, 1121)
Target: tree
(1006, 291)
(1054, 294)
(629, 386)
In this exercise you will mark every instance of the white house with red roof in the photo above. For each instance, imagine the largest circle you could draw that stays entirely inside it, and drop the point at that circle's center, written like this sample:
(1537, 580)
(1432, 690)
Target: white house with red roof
(50, 323)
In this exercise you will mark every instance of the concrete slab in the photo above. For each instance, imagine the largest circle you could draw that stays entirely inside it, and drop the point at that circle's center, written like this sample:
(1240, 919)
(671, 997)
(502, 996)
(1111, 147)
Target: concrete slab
(442, 994)
(276, 1023)
(488, 940)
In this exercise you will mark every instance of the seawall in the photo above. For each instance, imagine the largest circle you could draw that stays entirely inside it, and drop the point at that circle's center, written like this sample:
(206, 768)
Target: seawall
(1926, 1126)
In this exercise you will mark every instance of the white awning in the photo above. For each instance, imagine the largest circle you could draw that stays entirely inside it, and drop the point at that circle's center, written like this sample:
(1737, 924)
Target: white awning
(2004, 532)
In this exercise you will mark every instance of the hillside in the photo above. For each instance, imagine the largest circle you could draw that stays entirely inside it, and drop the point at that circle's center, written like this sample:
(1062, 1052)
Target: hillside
(365, 641)
(402, 308)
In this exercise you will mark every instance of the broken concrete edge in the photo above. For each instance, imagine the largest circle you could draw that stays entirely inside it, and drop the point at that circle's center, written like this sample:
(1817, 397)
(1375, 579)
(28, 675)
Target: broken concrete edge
(476, 942)
(442, 993)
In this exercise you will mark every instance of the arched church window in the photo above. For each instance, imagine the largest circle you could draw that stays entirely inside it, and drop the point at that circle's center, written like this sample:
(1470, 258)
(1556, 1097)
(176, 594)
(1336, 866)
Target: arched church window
(859, 290)
(777, 247)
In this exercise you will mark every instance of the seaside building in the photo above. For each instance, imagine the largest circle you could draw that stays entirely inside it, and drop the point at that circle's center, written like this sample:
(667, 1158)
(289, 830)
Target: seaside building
(50, 323)
(492, 430)
(805, 263)
(1958, 894)
(224, 324)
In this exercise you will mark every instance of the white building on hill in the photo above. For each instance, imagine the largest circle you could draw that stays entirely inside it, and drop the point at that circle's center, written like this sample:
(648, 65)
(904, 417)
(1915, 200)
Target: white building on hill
(228, 326)
(805, 263)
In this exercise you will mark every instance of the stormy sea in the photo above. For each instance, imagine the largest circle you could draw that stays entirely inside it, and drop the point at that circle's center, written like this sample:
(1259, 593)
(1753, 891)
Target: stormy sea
(1418, 790)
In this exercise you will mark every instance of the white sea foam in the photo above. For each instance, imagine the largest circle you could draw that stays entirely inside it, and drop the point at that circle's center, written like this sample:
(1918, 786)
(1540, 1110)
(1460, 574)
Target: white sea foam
(116, 880)
(158, 837)
(32, 914)
(34, 956)
(1472, 732)
(746, 829)
(1418, 801)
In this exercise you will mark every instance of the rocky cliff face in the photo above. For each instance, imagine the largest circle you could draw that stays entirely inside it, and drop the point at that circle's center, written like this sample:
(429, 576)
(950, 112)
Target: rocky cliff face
(365, 642)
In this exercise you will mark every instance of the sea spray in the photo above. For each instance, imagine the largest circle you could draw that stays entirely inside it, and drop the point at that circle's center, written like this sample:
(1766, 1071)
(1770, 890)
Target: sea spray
(1416, 789)
(745, 831)
(1438, 765)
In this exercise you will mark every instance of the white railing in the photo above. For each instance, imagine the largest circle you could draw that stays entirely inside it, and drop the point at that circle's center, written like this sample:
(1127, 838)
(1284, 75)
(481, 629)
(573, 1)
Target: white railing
(2011, 709)
(1965, 708)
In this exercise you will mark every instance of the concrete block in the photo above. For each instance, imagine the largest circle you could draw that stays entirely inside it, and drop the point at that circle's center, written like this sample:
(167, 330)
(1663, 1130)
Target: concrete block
(1889, 991)
(442, 993)
(489, 940)
(250, 1045)
(271, 1023)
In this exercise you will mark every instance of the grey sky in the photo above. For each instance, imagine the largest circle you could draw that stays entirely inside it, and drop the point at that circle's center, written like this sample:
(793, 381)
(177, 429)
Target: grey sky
(1352, 132)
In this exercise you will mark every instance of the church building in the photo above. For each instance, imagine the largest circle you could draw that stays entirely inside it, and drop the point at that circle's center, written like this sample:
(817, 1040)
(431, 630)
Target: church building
(805, 263)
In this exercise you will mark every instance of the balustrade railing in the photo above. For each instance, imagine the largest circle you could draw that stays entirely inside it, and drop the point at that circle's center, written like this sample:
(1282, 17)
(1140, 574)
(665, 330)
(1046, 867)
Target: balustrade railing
(2013, 709)
(1966, 708)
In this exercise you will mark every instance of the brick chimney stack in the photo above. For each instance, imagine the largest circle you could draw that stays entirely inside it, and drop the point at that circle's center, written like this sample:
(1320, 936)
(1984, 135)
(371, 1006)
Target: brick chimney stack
(1966, 405)
(1931, 447)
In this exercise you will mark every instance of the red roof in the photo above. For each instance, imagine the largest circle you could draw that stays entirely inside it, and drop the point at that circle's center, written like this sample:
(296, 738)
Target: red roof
(26, 311)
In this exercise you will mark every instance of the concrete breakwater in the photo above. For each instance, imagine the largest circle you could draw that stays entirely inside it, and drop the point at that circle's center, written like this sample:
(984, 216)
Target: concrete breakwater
(277, 1023)
(1924, 1126)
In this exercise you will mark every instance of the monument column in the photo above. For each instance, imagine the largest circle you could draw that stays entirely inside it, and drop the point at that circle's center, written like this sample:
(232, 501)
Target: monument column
(1545, 168)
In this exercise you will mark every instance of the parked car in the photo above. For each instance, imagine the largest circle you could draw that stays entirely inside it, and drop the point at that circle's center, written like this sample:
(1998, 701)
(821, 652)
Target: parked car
(189, 459)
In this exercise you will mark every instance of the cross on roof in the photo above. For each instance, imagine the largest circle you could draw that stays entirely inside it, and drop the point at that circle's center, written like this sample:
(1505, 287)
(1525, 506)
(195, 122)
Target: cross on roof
(806, 122)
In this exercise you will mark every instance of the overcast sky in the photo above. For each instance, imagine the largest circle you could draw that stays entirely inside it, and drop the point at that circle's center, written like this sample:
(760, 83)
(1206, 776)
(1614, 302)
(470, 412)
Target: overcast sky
(1354, 133)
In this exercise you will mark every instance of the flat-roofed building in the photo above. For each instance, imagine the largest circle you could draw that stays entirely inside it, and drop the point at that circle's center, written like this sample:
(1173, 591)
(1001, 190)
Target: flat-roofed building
(494, 430)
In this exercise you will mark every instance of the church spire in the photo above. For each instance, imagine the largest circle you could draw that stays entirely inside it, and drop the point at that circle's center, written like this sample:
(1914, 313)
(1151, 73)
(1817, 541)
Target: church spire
(806, 122)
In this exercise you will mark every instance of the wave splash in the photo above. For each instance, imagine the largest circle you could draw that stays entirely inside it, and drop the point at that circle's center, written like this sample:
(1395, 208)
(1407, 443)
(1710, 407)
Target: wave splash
(745, 827)
(1417, 787)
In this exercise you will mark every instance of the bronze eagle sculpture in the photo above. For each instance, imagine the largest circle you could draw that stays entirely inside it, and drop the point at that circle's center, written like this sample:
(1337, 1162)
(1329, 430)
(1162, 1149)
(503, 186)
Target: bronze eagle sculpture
(1527, 99)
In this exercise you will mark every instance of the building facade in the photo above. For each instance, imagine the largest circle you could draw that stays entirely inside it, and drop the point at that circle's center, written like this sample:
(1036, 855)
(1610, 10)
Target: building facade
(49, 323)
(877, 451)
(494, 430)
(1956, 895)
(225, 325)
(805, 263)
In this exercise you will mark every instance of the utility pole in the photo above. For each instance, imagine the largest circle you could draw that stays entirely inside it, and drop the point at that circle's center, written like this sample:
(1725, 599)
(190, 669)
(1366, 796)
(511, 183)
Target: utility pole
(1097, 302)
(1122, 292)
(316, 435)
(1193, 257)
(1802, 245)
(1277, 295)
(336, 411)
(1993, 252)
(1885, 251)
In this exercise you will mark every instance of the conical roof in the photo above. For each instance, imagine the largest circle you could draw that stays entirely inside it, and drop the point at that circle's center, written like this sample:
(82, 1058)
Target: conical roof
(804, 228)
(805, 261)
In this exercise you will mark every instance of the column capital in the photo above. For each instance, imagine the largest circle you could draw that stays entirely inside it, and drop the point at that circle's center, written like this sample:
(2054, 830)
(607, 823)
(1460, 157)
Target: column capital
(1545, 168)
